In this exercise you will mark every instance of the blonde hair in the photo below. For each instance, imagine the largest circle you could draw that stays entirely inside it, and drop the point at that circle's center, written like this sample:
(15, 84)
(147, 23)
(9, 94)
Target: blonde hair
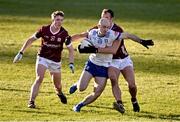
(57, 13)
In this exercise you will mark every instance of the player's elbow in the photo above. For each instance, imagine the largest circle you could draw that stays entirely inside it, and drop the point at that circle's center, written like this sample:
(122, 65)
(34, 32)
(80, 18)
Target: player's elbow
(125, 35)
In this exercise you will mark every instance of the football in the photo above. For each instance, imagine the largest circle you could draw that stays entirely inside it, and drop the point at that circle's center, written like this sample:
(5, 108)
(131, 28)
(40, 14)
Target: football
(85, 43)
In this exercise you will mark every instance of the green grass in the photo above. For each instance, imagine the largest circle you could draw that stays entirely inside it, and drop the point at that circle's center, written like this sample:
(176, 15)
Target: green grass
(157, 70)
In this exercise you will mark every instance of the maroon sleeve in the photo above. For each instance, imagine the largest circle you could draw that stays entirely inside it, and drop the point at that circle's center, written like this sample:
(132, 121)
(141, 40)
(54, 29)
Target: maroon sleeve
(38, 34)
(66, 35)
(67, 39)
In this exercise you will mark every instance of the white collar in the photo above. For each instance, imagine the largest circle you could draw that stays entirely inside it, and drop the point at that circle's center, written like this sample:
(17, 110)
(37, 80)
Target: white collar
(54, 32)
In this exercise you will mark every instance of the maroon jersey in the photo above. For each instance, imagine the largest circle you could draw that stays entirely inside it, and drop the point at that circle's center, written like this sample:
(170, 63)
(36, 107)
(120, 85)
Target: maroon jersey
(51, 44)
(121, 52)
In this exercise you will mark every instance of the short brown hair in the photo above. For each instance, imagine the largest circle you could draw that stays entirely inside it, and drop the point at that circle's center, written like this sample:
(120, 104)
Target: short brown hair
(57, 13)
(108, 11)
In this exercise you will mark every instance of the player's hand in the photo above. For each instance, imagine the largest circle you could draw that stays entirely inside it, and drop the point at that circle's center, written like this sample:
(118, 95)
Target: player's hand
(18, 57)
(89, 49)
(147, 43)
(71, 66)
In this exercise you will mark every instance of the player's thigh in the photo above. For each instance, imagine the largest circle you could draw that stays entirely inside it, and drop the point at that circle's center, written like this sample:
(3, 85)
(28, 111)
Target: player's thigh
(113, 73)
(100, 83)
(41, 67)
(40, 70)
(56, 76)
(84, 80)
(128, 74)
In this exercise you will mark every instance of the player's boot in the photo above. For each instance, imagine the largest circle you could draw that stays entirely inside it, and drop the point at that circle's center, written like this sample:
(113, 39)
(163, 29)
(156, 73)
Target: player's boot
(73, 88)
(78, 107)
(63, 98)
(119, 107)
(31, 104)
(135, 104)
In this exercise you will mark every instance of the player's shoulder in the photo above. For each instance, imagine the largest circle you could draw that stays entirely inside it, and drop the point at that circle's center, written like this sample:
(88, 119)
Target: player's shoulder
(45, 26)
(64, 30)
(93, 31)
(113, 33)
(117, 28)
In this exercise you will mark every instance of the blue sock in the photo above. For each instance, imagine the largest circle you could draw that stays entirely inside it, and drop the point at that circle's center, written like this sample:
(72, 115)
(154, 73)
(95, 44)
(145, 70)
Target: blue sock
(81, 104)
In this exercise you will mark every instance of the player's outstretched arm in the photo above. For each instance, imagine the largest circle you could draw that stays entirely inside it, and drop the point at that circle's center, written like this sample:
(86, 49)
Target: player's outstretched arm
(79, 36)
(107, 50)
(135, 38)
(27, 44)
(112, 49)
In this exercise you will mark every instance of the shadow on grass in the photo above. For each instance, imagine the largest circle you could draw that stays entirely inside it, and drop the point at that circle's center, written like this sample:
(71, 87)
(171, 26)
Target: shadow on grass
(98, 106)
(21, 90)
(152, 115)
(32, 111)
(143, 114)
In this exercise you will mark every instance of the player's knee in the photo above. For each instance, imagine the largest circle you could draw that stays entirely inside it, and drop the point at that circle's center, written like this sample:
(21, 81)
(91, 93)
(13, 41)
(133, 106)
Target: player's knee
(114, 80)
(98, 92)
(81, 88)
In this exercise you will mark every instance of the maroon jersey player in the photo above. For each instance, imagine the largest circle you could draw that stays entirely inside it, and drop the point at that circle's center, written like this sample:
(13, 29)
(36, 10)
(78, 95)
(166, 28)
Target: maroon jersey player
(53, 37)
(121, 63)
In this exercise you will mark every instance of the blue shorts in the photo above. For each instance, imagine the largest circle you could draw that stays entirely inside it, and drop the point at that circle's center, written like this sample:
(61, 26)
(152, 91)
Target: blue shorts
(95, 70)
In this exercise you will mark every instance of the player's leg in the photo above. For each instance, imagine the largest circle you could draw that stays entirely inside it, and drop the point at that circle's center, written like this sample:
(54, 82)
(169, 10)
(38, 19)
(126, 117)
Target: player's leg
(40, 71)
(101, 74)
(99, 85)
(113, 73)
(55, 72)
(56, 78)
(82, 83)
(84, 79)
(128, 74)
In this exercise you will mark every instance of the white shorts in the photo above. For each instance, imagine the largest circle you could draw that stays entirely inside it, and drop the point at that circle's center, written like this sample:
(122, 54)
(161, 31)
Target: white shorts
(49, 64)
(121, 63)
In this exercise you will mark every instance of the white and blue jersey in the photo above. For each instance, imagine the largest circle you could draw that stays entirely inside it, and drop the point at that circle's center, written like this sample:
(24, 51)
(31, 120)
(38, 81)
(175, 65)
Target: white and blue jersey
(102, 59)
(98, 63)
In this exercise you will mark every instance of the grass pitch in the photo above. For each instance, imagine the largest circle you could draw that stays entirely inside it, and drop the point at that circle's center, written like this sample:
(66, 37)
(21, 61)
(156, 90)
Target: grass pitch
(157, 70)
